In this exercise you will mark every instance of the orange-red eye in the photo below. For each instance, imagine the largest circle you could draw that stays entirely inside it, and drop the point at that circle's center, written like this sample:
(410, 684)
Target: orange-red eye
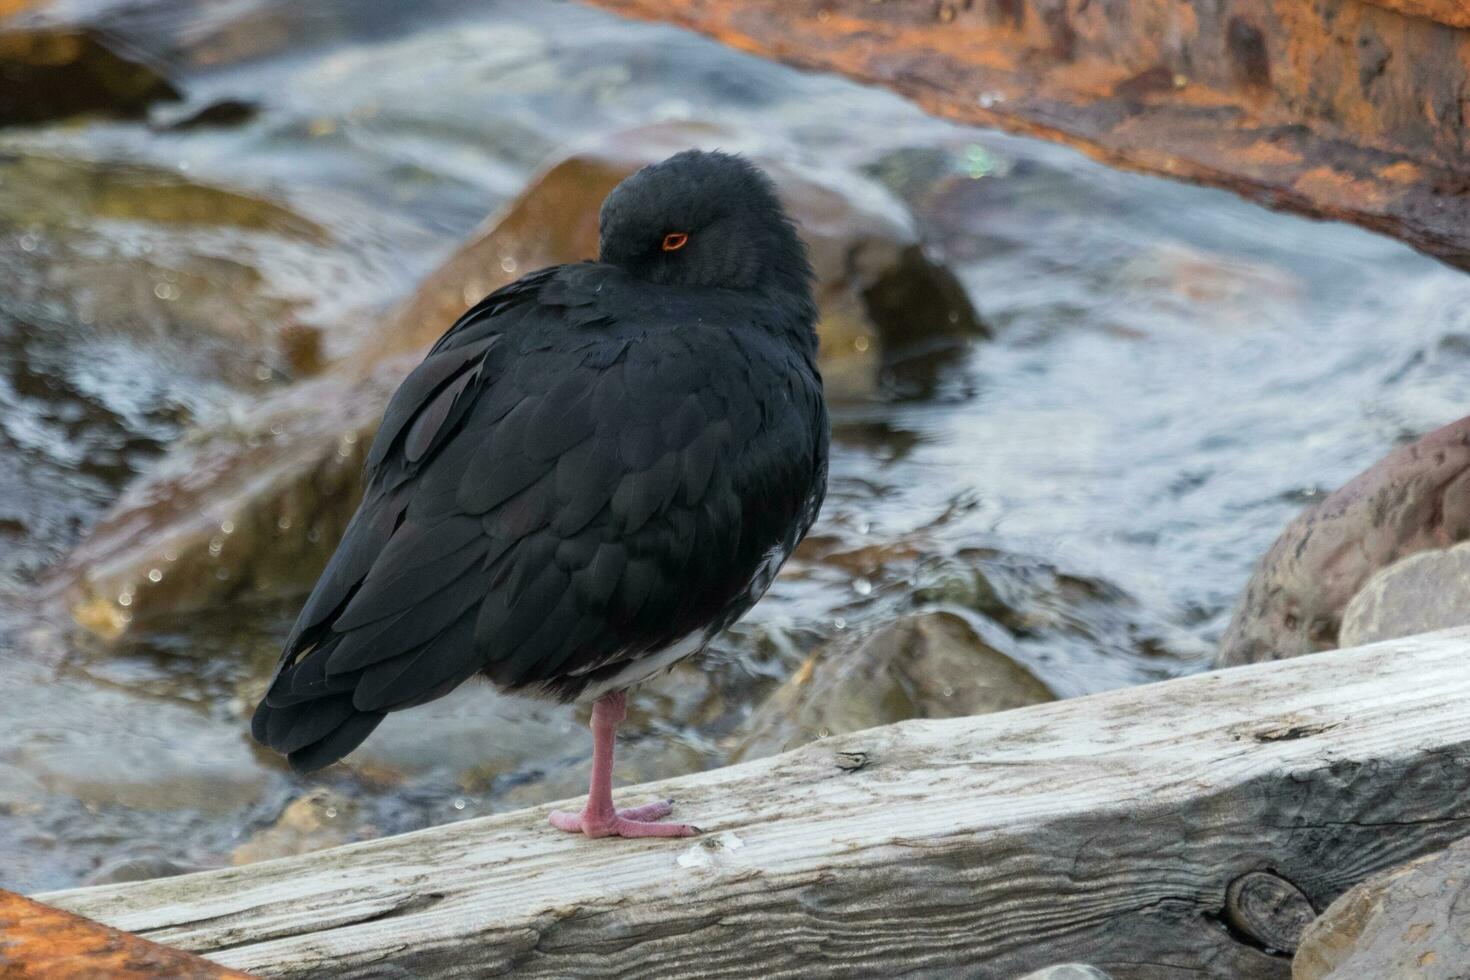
(675, 241)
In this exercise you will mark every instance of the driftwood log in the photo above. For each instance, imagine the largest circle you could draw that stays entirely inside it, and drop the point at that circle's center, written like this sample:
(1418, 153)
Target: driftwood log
(1187, 828)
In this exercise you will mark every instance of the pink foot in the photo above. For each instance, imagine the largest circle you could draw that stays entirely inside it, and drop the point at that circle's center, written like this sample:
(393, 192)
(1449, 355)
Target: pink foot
(635, 822)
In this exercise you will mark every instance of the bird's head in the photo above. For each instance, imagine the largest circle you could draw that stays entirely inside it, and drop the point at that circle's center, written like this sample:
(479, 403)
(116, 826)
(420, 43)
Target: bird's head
(704, 219)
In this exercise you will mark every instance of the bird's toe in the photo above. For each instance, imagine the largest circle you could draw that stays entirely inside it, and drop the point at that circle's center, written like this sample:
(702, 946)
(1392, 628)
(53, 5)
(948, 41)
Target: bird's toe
(638, 821)
(648, 811)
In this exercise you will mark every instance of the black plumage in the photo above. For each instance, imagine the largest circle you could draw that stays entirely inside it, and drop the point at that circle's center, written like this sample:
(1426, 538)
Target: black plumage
(595, 469)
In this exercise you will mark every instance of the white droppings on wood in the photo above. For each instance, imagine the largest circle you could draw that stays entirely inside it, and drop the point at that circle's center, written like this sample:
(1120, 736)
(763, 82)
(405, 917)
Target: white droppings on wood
(706, 853)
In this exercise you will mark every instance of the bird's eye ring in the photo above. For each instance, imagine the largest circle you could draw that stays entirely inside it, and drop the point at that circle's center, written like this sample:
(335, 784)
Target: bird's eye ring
(675, 240)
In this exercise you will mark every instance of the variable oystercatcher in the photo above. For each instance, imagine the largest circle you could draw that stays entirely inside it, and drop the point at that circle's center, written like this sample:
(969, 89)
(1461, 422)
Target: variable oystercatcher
(593, 472)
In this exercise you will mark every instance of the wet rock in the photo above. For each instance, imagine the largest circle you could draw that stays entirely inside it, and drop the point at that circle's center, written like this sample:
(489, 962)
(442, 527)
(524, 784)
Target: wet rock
(196, 766)
(1068, 971)
(256, 508)
(140, 869)
(686, 695)
(20, 792)
(232, 514)
(1407, 922)
(1417, 498)
(321, 818)
(48, 192)
(1423, 592)
(1088, 624)
(475, 733)
(220, 114)
(1025, 595)
(193, 274)
(880, 294)
(931, 665)
(49, 73)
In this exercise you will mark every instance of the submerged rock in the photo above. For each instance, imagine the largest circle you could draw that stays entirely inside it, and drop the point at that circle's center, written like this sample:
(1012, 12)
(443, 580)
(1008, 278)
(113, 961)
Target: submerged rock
(1083, 626)
(1410, 921)
(199, 766)
(140, 869)
(321, 818)
(110, 263)
(931, 665)
(49, 73)
(1418, 594)
(255, 508)
(1026, 595)
(1416, 498)
(20, 792)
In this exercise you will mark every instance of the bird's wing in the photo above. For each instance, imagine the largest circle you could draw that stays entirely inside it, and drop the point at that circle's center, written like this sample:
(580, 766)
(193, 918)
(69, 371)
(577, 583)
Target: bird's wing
(545, 501)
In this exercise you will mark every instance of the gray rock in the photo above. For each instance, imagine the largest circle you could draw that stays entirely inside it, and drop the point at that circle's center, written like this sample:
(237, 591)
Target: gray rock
(140, 869)
(1068, 971)
(932, 665)
(475, 732)
(1412, 921)
(196, 764)
(1418, 594)
(1414, 499)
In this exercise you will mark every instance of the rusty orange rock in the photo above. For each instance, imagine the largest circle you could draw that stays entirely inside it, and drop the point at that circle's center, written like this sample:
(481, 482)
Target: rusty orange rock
(38, 942)
(1321, 108)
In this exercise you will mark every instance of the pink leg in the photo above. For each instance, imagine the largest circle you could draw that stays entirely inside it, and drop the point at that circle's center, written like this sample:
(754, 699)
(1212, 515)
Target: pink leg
(598, 818)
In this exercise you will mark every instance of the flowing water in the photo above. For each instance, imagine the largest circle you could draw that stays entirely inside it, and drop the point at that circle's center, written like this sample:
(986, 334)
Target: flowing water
(1174, 374)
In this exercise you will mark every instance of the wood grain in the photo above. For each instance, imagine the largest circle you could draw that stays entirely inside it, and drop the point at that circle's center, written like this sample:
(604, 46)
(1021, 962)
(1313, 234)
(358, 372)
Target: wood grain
(1104, 829)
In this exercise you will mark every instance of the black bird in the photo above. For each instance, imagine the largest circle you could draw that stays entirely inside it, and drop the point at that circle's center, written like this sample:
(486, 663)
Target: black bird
(594, 471)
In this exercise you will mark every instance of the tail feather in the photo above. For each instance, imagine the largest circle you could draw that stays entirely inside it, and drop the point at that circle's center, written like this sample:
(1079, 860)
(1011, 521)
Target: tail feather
(313, 734)
(290, 729)
(310, 718)
(342, 740)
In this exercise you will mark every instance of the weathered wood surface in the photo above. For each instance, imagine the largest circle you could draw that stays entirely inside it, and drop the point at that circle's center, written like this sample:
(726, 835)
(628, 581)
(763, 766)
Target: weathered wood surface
(1106, 829)
(1340, 109)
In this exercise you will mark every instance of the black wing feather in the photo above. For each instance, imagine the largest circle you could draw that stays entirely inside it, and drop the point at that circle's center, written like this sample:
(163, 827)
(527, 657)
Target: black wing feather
(553, 493)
